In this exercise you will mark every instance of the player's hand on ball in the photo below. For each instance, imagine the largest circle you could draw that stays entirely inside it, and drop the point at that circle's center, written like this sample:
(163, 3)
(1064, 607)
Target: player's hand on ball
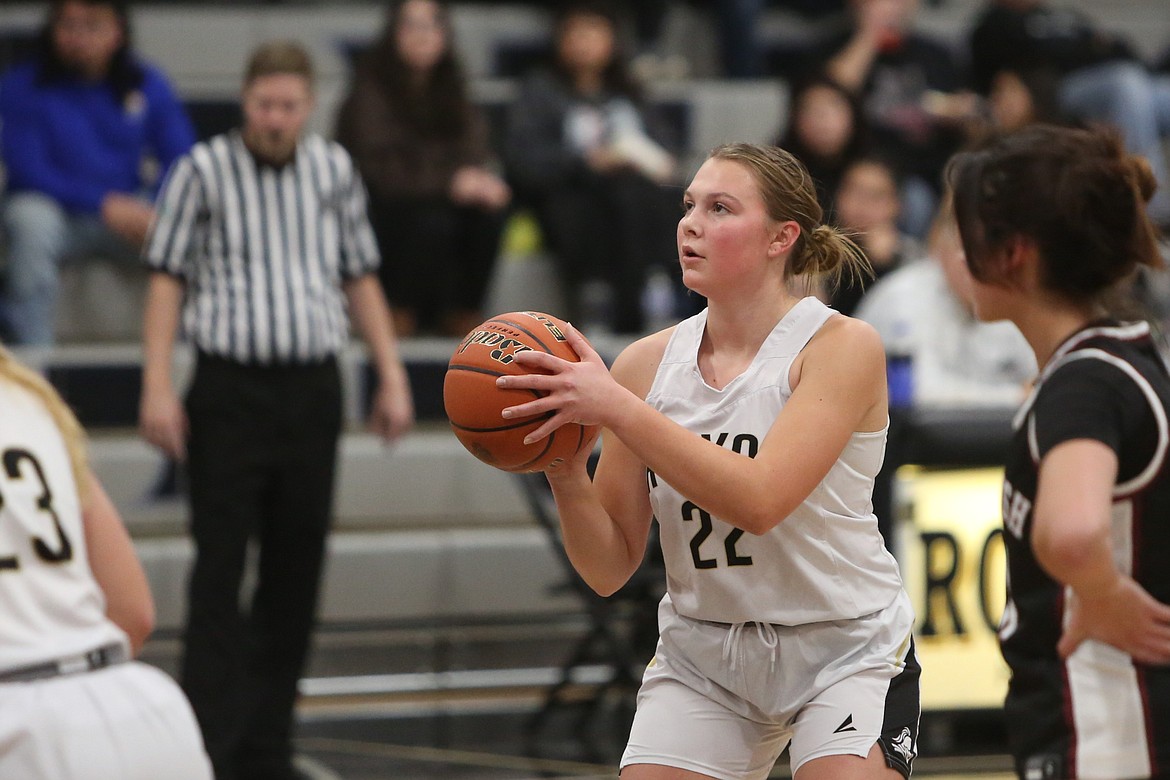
(474, 402)
(580, 460)
(575, 392)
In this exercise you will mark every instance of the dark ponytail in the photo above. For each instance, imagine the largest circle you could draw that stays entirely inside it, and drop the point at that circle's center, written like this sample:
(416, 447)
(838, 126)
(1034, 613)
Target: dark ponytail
(1076, 193)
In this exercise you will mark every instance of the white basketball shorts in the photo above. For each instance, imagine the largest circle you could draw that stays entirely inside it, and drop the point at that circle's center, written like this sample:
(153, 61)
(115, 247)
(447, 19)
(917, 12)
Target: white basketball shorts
(726, 700)
(129, 721)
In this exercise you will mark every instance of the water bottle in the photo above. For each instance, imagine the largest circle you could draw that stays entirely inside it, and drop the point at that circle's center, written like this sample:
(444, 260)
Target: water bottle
(900, 366)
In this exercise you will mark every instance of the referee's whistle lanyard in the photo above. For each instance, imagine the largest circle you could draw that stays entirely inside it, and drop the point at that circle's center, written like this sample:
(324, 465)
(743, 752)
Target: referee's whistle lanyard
(733, 642)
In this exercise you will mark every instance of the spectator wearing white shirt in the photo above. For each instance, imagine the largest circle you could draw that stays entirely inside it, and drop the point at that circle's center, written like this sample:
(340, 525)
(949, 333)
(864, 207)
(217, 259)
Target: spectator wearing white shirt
(923, 310)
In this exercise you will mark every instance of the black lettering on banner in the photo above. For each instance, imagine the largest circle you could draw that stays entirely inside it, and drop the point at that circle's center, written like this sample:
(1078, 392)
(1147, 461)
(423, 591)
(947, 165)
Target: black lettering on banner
(989, 619)
(940, 580)
(63, 550)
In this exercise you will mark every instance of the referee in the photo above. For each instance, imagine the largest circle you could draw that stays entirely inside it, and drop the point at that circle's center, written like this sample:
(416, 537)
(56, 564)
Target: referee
(260, 243)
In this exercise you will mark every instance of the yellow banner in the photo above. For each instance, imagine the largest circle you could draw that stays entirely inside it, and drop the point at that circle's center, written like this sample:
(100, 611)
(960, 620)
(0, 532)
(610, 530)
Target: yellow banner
(949, 545)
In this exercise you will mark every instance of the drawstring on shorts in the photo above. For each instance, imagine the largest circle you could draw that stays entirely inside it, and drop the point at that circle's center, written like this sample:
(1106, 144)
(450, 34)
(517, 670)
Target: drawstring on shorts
(732, 647)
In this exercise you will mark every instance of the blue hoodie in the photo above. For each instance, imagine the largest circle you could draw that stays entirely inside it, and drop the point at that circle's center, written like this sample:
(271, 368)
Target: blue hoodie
(73, 141)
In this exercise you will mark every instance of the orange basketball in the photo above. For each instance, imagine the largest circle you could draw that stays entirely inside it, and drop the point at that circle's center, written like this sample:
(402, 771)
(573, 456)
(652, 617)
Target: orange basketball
(474, 403)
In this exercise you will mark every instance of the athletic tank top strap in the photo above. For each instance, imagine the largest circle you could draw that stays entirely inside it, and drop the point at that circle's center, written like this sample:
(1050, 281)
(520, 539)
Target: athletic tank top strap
(683, 346)
(786, 340)
(794, 332)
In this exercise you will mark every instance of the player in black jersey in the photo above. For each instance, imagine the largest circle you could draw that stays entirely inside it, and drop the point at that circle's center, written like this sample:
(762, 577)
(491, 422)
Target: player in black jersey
(1053, 220)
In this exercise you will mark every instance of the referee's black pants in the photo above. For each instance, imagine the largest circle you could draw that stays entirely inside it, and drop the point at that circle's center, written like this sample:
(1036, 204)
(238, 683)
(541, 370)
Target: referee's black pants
(262, 454)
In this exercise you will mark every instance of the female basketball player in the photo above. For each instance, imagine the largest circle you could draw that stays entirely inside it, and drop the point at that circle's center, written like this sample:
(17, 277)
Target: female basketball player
(74, 606)
(753, 433)
(1052, 219)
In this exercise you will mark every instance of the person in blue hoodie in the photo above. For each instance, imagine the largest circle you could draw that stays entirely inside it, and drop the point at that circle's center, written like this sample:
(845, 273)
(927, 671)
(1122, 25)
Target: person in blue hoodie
(81, 122)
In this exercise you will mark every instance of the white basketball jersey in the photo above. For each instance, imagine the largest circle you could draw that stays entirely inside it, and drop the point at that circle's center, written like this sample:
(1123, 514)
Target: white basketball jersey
(50, 604)
(827, 560)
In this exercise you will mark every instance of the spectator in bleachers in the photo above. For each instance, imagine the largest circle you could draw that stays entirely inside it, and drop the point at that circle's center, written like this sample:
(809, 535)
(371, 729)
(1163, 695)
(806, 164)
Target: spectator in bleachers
(651, 60)
(262, 252)
(867, 208)
(738, 22)
(826, 132)
(1102, 78)
(583, 150)
(423, 149)
(1021, 97)
(80, 121)
(911, 90)
(923, 311)
(742, 50)
(1018, 98)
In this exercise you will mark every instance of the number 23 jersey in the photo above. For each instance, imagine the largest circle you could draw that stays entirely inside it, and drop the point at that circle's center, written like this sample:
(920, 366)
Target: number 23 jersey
(825, 561)
(50, 604)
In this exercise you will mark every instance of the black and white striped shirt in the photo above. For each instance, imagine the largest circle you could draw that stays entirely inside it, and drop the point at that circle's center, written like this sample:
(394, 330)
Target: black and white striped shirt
(263, 251)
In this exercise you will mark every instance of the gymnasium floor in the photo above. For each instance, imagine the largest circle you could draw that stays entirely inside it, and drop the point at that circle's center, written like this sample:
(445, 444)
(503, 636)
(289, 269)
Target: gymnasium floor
(487, 746)
(465, 703)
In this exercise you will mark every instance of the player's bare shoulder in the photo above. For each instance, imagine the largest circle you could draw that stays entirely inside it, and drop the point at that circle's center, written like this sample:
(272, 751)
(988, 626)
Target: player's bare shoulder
(637, 364)
(848, 336)
(845, 346)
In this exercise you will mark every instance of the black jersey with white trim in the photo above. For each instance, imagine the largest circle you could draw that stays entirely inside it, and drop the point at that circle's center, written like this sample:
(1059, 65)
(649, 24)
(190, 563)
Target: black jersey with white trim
(1108, 383)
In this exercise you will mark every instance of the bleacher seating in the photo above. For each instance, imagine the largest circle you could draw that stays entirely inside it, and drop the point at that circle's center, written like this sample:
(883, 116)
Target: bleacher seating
(15, 44)
(423, 529)
(214, 115)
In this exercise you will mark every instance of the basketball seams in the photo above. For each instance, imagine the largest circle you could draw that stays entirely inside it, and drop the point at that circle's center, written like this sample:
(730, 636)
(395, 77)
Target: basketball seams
(509, 427)
(536, 394)
(580, 437)
(477, 370)
(523, 329)
(469, 392)
(538, 339)
(549, 440)
(490, 372)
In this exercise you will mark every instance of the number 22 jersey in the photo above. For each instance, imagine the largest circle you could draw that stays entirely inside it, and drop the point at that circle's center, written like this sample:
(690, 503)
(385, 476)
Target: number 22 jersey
(825, 561)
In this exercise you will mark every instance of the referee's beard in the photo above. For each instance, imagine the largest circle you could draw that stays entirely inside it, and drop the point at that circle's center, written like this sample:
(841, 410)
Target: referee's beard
(274, 147)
